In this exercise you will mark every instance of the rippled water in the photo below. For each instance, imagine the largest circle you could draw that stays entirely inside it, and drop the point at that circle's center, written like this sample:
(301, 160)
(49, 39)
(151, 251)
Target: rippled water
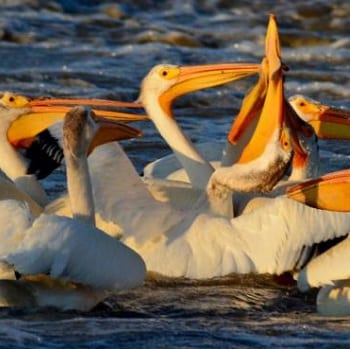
(103, 49)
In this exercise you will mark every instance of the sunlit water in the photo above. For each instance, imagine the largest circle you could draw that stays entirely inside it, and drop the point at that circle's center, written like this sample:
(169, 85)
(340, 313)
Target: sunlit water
(79, 48)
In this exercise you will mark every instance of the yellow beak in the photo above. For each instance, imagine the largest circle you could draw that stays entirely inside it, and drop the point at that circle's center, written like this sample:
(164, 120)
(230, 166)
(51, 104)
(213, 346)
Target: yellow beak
(328, 122)
(82, 101)
(42, 114)
(110, 131)
(329, 192)
(194, 78)
(251, 106)
(265, 100)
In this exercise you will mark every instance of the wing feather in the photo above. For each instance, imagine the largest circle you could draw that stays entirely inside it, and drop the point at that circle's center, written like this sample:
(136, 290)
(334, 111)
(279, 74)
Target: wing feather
(73, 251)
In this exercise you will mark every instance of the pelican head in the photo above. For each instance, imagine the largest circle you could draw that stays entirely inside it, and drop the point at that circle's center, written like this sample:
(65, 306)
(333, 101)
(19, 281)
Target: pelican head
(11, 107)
(328, 122)
(164, 83)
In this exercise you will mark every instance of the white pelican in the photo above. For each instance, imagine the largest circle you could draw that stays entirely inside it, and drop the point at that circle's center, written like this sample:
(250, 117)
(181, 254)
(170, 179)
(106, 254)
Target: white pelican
(83, 263)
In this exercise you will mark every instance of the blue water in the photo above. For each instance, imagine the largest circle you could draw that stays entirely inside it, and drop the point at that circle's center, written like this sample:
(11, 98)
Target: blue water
(103, 49)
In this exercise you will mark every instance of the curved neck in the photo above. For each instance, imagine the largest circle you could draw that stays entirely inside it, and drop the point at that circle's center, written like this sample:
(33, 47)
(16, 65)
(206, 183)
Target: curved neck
(80, 189)
(11, 162)
(14, 166)
(198, 169)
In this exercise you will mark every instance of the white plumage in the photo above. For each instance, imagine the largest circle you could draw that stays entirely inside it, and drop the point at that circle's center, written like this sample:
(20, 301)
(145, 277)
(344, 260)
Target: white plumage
(73, 251)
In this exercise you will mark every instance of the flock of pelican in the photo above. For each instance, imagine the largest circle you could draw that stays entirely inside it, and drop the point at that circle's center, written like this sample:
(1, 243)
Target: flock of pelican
(230, 211)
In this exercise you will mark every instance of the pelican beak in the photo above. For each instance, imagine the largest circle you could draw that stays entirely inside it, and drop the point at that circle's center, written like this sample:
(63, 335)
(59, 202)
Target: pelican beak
(194, 78)
(40, 115)
(110, 131)
(265, 100)
(43, 101)
(328, 122)
(62, 105)
(329, 192)
(251, 106)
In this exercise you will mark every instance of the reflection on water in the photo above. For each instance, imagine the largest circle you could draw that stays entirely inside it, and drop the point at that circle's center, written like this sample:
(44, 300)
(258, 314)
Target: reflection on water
(103, 49)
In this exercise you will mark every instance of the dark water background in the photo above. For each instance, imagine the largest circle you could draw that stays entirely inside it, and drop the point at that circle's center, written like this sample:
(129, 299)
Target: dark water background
(103, 49)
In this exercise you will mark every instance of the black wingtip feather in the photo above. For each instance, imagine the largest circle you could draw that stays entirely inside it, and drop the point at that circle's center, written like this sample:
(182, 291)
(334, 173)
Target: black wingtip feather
(44, 155)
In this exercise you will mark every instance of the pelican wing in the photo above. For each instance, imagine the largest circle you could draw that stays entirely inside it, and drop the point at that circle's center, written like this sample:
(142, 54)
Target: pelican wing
(73, 251)
(286, 227)
(15, 217)
(269, 239)
(122, 197)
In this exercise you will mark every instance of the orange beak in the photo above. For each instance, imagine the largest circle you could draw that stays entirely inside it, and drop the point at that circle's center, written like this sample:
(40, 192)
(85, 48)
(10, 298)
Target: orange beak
(329, 192)
(41, 114)
(110, 131)
(265, 101)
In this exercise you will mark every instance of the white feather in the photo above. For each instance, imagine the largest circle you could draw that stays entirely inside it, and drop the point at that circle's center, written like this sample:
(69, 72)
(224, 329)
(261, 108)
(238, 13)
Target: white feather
(70, 250)
(267, 240)
(15, 218)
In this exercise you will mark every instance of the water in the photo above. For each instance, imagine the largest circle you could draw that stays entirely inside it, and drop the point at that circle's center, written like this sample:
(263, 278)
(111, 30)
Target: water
(103, 49)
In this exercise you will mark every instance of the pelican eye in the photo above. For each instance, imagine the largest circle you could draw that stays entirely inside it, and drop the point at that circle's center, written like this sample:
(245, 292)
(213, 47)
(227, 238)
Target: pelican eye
(169, 72)
(14, 101)
(285, 140)
(302, 104)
